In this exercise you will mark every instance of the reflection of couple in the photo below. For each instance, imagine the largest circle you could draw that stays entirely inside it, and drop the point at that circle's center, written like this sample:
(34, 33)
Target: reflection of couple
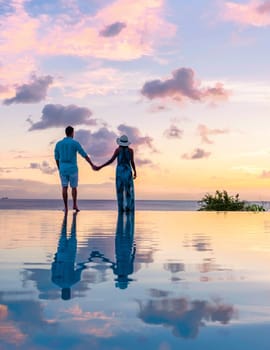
(124, 250)
(65, 271)
(65, 154)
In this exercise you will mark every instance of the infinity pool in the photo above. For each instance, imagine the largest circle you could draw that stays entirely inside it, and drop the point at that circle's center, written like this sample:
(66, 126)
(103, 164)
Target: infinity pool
(156, 280)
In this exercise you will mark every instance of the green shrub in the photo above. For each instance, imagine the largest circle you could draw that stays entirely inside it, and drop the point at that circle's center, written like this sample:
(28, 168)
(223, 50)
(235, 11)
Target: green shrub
(254, 207)
(222, 201)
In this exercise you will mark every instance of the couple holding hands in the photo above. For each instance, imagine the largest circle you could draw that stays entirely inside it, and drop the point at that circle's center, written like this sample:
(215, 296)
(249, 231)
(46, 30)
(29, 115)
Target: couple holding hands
(65, 154)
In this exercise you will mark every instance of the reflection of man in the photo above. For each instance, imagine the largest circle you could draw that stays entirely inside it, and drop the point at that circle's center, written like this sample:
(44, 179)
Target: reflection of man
(64, 273)
(124, 249)
(65, 154)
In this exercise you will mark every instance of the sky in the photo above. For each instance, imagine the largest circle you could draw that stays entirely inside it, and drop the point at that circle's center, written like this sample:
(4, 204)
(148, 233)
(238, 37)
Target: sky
(187, 81)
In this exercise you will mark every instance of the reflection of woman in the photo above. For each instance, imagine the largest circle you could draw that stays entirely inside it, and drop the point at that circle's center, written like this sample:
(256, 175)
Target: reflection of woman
(64, 273)
(124, 249)
(124, 178)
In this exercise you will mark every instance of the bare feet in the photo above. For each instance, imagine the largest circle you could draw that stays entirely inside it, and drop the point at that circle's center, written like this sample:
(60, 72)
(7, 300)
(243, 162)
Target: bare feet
(65, 210)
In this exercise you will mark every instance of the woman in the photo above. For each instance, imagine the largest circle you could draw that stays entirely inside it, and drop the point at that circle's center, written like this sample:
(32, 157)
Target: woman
(124, 177)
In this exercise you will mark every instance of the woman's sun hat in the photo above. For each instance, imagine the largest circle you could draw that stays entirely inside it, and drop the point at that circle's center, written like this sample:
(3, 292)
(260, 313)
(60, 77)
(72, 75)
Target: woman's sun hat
(123, 141)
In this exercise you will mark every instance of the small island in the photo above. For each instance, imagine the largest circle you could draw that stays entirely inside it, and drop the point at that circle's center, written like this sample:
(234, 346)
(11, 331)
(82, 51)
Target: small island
(222, 201)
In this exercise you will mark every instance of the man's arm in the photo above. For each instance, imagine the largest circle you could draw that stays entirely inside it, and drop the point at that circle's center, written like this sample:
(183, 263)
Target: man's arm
(85, 155)
(87, 158)
(56, 156)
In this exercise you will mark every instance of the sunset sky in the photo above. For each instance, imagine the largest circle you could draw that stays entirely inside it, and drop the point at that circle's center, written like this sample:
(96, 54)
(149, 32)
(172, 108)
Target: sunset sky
(187, 81)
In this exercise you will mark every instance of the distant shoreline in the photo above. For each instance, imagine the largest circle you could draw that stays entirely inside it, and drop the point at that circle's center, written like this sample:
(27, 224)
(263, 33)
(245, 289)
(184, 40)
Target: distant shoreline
(106, 204)
(97, 204)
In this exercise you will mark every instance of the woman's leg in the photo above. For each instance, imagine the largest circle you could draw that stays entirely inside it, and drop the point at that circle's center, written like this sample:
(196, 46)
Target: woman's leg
(120, 193)
(129, 191)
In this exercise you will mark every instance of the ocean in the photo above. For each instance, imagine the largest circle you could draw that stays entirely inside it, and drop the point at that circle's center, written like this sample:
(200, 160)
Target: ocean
(57, 204)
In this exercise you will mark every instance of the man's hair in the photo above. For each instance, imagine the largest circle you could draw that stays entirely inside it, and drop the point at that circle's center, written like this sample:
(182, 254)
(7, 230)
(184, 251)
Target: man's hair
(69, 130)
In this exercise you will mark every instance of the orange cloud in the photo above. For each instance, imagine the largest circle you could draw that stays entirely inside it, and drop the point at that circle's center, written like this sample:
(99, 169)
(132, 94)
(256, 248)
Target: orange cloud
(78, 314)
(8, 332)
(3, 312)
(205, 132)
(255, 13)
(85, 319)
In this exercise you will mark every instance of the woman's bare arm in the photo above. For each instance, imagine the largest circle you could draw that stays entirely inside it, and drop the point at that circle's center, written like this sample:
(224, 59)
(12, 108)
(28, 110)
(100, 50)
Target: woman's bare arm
(115, 154)
(133, 163)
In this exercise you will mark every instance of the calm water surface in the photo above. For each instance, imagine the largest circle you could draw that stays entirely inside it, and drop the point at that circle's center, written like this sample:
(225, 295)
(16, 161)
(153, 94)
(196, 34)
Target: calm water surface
(160, 280)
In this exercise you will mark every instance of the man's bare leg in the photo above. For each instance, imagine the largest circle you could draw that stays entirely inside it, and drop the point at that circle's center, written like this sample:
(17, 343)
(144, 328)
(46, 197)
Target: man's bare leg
(65, 198)
(74, 197)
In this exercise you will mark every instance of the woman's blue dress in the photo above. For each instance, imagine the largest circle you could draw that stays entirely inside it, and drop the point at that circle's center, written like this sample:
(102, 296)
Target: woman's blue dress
(124, 181)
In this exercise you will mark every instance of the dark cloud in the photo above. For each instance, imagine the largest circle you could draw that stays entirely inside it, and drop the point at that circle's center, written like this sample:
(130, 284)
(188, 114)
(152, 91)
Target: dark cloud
(102, 143)
(135, 137)
(112, 29)
(264, 7)
(198, 153)
(33, 92)
(182, 86)
(158, 108)
(142, 162)
(99, 144)
(185, 318)
(201, 244)
(157, 293)
(44, 167)
(174, 267)
(204, 132)
(56, 115)
(173, 132)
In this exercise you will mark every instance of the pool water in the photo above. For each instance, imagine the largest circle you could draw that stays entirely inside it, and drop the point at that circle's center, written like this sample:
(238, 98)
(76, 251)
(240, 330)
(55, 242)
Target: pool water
(157, 280)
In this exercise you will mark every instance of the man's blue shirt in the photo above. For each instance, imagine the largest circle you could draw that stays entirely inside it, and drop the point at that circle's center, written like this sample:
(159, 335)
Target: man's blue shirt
(66, 153)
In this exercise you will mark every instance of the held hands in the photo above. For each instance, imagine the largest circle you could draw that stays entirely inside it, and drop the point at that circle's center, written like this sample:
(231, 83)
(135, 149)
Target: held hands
(95, 167)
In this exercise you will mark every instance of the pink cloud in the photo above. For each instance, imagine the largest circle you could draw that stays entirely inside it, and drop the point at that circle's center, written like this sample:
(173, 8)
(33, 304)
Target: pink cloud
(18, 30)
(265, 174)
(145, 28)
(15, 69)
(205, 132)
(135, 28)
(255, 13)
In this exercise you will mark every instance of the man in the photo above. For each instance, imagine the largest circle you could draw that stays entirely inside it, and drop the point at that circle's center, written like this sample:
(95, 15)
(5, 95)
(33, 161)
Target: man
(65, 154)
